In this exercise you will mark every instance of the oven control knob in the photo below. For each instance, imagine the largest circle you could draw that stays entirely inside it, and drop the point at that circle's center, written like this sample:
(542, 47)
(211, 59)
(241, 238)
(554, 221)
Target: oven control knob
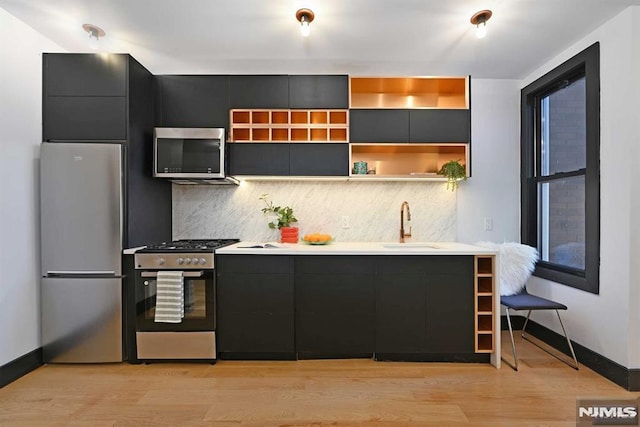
(161, 261)
(187, 261)
(203, 261)
(180, 261)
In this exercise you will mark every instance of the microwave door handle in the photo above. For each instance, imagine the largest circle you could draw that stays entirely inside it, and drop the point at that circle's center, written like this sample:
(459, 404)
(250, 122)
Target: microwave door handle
(184, 273)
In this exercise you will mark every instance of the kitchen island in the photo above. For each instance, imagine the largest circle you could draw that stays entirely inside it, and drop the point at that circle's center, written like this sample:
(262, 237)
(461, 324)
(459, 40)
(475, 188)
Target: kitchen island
(417, 301)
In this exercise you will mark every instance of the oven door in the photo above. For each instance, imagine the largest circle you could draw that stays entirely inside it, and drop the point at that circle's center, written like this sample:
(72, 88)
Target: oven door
(199, 302)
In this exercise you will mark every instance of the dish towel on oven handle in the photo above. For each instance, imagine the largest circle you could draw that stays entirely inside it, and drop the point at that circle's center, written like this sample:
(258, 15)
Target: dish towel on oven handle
(170, 297)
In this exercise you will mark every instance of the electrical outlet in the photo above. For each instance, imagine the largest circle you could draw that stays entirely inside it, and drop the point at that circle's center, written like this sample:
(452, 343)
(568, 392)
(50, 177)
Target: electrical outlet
(488, 224)
(345, 222)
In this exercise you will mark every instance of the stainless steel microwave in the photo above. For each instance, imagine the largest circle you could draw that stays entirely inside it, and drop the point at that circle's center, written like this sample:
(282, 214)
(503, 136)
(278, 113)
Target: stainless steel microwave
(189, 153)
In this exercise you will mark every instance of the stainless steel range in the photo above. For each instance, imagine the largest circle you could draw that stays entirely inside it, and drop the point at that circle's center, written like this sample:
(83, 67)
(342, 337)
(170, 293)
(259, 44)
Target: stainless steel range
(175, 300)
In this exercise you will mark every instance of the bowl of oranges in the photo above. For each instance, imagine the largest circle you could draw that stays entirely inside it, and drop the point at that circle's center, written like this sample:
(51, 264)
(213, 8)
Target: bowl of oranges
(317, 239)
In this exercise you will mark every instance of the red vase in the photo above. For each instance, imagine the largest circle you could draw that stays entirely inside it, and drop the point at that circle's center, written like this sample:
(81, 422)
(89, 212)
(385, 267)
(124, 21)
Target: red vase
(289, 234)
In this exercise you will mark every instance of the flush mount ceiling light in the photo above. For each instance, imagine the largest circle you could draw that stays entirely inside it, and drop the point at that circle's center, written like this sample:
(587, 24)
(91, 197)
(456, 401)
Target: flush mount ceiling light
(94, 34)
(305, 17)
(479, 19)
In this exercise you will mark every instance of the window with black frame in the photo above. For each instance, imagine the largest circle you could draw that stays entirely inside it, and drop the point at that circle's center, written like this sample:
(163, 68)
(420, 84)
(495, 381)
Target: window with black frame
(561, 171)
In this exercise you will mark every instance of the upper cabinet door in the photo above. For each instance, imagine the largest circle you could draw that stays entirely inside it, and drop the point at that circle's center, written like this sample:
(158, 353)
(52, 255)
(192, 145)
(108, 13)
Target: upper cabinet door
(192, 101)
(319, 91)
(439, 126)
(319, 159)
(379, 125)
(85, 117)
(258, 159)
(85, 75)
(270, 91)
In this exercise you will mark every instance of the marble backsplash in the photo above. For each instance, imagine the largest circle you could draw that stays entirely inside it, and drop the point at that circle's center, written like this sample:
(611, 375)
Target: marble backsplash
(373, 208)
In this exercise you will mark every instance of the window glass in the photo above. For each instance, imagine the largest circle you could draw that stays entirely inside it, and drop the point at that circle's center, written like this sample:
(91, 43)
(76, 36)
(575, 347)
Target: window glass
(562, 222)
(564, 129)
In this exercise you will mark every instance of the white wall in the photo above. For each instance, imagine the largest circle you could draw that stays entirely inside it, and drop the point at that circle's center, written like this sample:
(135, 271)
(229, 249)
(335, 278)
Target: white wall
(20, 134)
(608, 323)
(493, 191)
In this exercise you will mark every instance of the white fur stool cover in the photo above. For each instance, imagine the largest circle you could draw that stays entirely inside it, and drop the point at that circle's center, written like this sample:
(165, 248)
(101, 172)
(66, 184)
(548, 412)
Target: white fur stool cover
(517, 262)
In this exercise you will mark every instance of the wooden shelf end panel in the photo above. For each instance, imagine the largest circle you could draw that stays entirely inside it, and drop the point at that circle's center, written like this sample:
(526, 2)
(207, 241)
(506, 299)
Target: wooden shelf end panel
(484, 294)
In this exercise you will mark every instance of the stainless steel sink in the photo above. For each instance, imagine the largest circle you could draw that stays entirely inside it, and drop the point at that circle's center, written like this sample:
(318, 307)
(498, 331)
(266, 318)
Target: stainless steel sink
(411, 245)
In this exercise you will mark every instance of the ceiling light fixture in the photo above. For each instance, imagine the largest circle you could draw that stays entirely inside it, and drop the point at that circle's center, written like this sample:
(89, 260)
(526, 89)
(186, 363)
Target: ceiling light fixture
(479, 19)
(94, 35)
(305, 17)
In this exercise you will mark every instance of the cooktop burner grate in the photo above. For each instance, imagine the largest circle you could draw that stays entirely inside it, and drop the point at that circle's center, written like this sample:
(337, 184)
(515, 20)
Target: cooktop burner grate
(189, 245)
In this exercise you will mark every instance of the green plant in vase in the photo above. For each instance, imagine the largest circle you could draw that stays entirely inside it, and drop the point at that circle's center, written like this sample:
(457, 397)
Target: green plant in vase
(284, 218)
(454, 172)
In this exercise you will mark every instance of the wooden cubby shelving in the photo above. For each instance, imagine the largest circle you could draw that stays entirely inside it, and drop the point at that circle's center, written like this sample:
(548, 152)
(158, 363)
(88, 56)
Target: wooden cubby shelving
(289, 126)
(409, 92)
(484, 293)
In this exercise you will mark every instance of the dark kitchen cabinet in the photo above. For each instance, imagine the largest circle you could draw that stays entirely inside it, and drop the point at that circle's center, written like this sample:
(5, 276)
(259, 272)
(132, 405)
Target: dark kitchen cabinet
(258, 159)
(192, 101)
(255, 306)
(259, 91)
(435, 125)
(425, 308)
(319, 91)
(85, 75)
(383, 125)
(400, 305)
(449, 302)
(324, 159)
(335, 306)
(417, 308)
(85, 96)
(85, 117)
(277, 159)
(402, 125)
(93, 97)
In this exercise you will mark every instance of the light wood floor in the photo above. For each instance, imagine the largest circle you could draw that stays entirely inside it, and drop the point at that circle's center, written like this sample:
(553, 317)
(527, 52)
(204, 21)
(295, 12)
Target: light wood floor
(305, 393)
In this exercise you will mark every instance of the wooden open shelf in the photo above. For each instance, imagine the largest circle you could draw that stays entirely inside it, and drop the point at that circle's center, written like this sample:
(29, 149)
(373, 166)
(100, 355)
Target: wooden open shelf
(409, 92)
(484, 293)
(406, 160)
(289, 126)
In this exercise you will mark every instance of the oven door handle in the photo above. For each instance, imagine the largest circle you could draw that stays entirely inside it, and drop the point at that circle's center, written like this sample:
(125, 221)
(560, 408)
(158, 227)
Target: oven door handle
(184, 273)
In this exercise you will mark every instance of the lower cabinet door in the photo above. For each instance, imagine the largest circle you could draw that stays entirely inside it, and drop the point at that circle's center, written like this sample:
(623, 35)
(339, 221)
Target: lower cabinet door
(400, 313)
(424, 307)
(449, 305)
(335, 306)
(255, 312)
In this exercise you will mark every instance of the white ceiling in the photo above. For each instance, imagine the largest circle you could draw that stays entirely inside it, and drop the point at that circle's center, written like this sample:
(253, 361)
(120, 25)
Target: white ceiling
(358, 37)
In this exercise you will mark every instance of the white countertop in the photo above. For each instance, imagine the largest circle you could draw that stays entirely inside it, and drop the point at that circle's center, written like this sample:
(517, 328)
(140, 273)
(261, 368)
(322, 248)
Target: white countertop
(131, 251)
(354, 248)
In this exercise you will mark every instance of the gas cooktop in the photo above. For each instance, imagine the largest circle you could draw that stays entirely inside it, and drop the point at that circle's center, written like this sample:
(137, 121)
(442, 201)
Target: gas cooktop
(188, 245)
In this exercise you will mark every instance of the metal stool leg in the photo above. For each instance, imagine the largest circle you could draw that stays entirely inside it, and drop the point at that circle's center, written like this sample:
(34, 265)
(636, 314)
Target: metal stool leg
(513, 344)
(566, 335)
(575, 360)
